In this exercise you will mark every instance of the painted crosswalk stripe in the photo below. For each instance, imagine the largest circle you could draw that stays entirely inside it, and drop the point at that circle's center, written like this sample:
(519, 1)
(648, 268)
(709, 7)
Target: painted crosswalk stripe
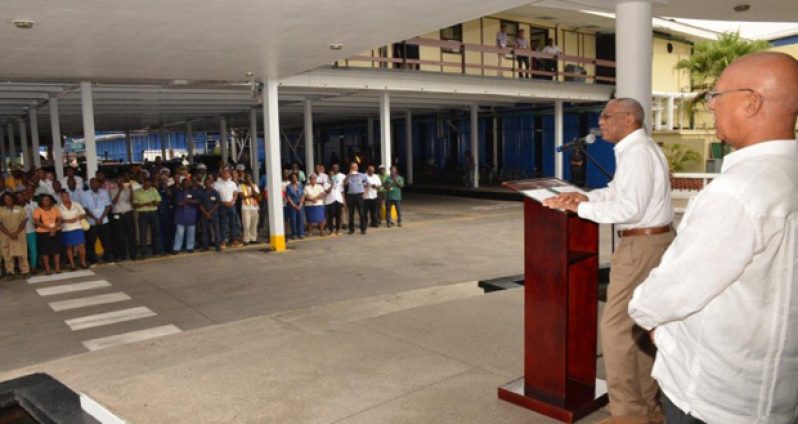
(131, 337)
(69, 288)
(100, 299)
(108, 318)
(59, 277)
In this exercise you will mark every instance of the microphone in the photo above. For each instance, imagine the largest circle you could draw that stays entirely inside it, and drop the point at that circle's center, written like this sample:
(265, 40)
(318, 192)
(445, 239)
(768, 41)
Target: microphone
(590, 138)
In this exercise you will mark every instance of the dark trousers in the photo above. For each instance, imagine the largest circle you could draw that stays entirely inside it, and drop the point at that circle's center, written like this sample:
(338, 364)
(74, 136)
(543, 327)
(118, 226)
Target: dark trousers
(103, 231)
(148, 221)
(297, 223)
(167, 227)
(333, 212)
(523, 63)
(372, 213)
(228, 218)
(124, 235)
(394, 203)
(674, 415)
(355, 202)
(209, 225)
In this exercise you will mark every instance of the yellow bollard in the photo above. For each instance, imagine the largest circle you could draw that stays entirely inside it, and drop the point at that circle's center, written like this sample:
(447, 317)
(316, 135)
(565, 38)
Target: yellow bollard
(393, 212)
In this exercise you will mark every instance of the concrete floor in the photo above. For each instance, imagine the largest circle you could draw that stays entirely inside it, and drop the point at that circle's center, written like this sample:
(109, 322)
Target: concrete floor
(386, 327)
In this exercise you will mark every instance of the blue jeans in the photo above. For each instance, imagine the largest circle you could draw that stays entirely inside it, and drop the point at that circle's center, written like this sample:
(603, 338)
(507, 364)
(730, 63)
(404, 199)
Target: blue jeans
(674, 415)
(229, 226)
(149, 220)
(297, 224)
(394, 203)
(184, 231)
(209, 225)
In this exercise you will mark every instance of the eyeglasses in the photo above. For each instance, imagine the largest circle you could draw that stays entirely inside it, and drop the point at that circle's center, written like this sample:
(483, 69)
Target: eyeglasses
(604, 116)
(710, 95)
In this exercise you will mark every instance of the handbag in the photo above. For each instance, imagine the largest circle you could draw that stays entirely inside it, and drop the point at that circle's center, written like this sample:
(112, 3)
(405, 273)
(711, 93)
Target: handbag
(85, 224)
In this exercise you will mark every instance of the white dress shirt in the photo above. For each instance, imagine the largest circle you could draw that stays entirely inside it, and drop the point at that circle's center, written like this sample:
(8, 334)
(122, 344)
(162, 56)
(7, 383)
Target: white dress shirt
(552, 50)
(371, 193)
(226, 189)
(335, 195)
(78, 182)
(639, 195)
(724, 299)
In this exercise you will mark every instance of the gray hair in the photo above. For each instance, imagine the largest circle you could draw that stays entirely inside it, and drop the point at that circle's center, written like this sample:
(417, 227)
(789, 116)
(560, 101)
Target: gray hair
(632, 106)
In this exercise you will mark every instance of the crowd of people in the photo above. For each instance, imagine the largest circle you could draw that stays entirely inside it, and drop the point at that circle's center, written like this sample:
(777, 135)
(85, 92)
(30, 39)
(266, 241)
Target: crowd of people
(49, 223)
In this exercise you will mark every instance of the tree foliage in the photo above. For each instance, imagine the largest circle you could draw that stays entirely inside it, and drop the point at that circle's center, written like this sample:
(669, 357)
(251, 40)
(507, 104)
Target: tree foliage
(710, 58)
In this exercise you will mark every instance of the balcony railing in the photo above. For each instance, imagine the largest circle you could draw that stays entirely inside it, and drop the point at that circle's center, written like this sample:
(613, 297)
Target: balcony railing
(560, 67)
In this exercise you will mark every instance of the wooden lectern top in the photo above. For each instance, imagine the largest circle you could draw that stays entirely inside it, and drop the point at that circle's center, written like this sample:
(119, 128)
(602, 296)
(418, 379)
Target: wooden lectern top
(540, 189)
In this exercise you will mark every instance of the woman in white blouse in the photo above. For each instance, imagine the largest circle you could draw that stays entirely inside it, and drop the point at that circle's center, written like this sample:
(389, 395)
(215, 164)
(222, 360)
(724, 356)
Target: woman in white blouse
(72, 229)
(314, 205)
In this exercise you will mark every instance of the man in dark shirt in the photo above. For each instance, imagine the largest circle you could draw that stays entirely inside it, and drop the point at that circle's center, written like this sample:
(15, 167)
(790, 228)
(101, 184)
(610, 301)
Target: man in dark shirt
(209, 215)
(185, 217)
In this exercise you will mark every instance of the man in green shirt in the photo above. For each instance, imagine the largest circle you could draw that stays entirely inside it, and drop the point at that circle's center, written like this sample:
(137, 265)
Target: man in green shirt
(145, 201)
(393, 195)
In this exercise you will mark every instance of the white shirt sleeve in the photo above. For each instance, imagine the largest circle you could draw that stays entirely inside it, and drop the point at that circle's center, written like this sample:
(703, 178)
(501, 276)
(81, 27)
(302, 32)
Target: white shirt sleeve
(711, 252)
(631, 190)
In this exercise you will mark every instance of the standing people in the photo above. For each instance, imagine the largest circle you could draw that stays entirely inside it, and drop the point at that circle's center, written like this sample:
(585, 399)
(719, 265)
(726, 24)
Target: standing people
(355, 185)
(722, 306)
(97, 204)
(393, 186)
(26, 198)
(228, 192)
(72, 235)
(371, 197)
(314, 205)
(522, 44)
(551, 64)
(185, 217)
(48, 232)
(295, 196)
(250, 198)
(146, 201)
(166, 209)
(209, 219)
(12, 243)
(638, 200)
(123, 227)
(334, 199)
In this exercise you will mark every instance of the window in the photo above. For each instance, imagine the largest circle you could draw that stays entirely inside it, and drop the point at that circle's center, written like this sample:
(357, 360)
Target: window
(452, 33)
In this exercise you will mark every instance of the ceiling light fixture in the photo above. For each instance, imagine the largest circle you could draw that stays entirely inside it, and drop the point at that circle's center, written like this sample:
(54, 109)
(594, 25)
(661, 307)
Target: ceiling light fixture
(23, 23)
(249, 74)
(742, 8)
(336, 46)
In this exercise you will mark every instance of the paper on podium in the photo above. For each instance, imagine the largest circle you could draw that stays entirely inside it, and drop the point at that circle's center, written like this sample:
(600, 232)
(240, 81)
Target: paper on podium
(542, 194)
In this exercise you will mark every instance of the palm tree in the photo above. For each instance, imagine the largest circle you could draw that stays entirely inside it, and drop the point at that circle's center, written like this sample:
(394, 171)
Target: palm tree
(710, 58)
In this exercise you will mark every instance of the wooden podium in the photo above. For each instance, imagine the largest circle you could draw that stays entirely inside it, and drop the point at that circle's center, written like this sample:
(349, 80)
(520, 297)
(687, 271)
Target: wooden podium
(560, 309)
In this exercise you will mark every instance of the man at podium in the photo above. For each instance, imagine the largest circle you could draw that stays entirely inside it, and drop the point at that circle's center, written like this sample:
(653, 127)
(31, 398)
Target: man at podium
(638, 200)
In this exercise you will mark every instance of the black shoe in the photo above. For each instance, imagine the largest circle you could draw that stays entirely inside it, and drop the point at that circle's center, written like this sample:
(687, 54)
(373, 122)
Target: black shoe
(352, 232)
(363, 232)
(191, 251)
(174, 252)
(400, 224)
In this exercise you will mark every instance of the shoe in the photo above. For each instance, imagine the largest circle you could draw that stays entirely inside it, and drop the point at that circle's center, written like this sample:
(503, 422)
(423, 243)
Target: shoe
(191, 251)
(301, 237)
(26, 276)
(352, 232)
(174, 252)
(363, 232)
(219, 249)
(10, 277)
(400, 224)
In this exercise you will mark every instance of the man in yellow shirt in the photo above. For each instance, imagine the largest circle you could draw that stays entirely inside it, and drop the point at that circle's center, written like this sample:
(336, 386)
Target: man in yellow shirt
(145, 201)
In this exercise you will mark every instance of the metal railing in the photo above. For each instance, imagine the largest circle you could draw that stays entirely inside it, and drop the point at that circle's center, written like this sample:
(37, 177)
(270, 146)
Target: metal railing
(506, 56)
(686, 185)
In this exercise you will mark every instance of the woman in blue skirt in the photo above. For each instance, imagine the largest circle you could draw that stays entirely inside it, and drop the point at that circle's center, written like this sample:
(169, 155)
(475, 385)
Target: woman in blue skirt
(72, 230)
(314, 205)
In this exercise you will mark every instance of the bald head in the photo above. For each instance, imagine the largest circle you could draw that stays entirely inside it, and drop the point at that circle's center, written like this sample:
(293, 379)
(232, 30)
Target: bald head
(632, 107)
(765, 104)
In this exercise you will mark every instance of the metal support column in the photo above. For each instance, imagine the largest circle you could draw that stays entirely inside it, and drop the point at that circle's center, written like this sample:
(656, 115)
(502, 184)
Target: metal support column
(129, 146)
(409, 146)
(385, 128)
(87, 109)
(309, 160)
(271, 135)
(475, 143)
(34, 137)
(55, 133)
(3, 165)
(223, 141)
(558, 135)
(12, 149)
(254, 164)
(190, 141)
(23, 143)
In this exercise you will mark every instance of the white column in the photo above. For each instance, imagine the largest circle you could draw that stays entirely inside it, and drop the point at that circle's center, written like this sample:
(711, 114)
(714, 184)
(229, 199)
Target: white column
(633, 52)
(223, 140)
(385, 128)
(409, 146)
(3, 166)
(55, 133)
(271, 135)
(23, 142)
(129, 146)
(475, 142)
(558, 141)
(669, 116)
(234, 148)
(12, 149)
(657, 106)
(87, 108)
(309, 160)
(190, 141)
(253, 144)
(34, 137)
